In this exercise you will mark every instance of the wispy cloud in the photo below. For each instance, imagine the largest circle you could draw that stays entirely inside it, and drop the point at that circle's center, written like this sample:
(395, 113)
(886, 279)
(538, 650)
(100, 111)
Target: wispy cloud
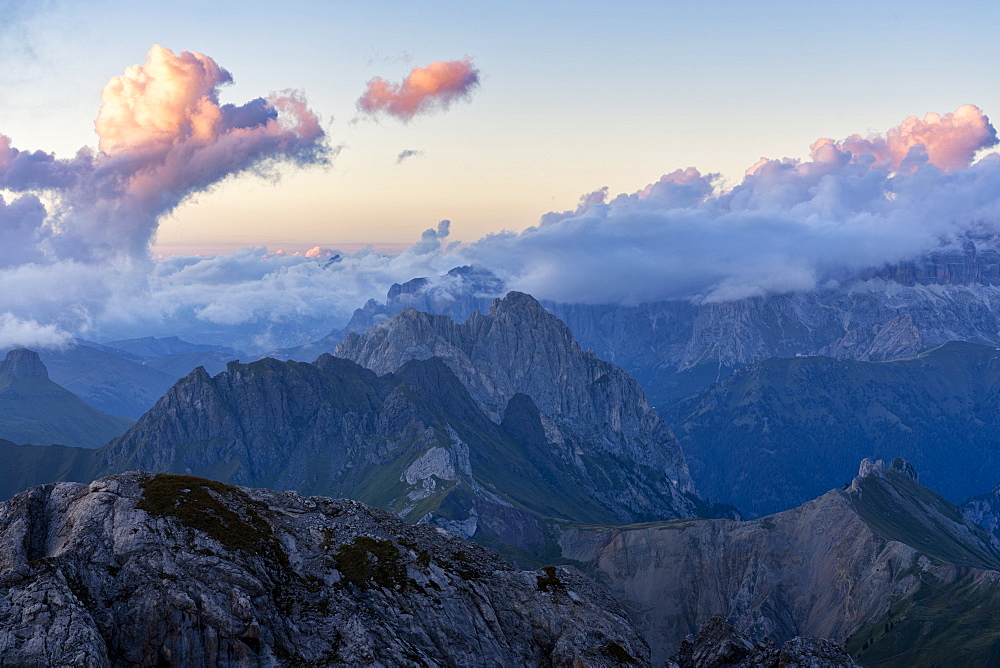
(408, 153)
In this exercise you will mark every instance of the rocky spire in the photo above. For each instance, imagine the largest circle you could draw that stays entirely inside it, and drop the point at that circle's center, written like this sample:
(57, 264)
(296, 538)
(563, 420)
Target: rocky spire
(23, 363)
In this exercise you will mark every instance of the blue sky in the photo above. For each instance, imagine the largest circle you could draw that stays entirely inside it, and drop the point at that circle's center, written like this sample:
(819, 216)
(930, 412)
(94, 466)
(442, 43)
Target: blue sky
(574, 96)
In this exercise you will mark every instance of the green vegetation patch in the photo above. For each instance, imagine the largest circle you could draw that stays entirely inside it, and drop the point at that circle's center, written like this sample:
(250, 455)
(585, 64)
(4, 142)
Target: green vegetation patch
(220, 511)
(366, 562)
(942, 624)
(897, 508)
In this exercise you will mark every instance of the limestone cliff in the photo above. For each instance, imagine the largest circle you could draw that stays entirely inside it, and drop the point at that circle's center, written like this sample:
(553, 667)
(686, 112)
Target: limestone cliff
(596, 418)
(151, 570)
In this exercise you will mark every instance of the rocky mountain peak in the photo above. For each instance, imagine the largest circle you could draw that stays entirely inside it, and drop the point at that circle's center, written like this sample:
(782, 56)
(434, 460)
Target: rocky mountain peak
(906, 468)
(519, 302)
(869, 468)
(878, 468)
(588, 409)
(23, 363)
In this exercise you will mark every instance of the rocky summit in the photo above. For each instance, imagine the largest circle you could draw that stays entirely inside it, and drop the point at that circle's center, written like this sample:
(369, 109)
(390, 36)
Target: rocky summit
(719, 645)
(141, 569)
(595, 417)
(23, 363)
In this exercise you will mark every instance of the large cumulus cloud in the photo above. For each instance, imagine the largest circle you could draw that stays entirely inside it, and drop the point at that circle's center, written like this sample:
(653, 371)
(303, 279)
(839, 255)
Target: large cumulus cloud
(163, 136)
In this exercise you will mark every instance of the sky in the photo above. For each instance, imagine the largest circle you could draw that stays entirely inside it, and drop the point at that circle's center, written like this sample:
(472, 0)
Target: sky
(573, 96)
(583, 151)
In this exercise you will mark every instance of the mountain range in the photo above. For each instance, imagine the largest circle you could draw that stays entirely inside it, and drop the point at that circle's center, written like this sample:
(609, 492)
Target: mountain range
(496, 452)
(500, 427)
(679, 347)
(125, 378)
(779, 432)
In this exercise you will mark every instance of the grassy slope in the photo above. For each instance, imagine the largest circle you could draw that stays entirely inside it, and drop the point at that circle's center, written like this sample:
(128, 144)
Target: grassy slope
(943, 624)
(30, 465)
(38, 411)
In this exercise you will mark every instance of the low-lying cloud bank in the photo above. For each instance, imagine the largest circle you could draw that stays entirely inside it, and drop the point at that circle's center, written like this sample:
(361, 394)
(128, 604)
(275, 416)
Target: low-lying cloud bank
(74, 237)
(789, 226)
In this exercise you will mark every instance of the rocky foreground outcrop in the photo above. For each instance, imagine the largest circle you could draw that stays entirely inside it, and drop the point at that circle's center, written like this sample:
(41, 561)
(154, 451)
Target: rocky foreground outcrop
(885, 566)
(141, 569)
(719, 645)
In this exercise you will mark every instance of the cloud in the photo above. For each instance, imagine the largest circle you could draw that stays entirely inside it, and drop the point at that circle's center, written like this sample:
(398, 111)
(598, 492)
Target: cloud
(317, 251)
(408, 153)
(17, 333)
(425, 89)
(949, 142)
(789, 226)
(163, 137)
(256, 301)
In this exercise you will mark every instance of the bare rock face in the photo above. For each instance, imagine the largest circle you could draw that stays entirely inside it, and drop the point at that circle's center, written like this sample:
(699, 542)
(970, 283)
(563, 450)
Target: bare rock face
(23, 363)
(413, 442)
(984, 510)
(847, 566)
(595, 416)
(719, 645)
(141, 569)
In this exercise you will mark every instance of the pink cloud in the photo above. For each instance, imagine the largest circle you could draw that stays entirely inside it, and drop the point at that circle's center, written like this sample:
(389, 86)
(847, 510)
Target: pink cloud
(424, 89)
(163, 136)
(317, 251)
(170, 98)
(949, 141)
